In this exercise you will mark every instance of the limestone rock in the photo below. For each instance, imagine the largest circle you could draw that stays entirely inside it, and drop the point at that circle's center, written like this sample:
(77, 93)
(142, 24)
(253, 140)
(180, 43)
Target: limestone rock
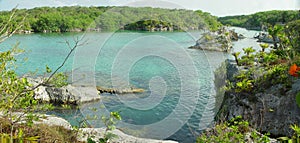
(217, 41)
(61, 95)
(97, 133)
(41, 94)
(54, 121)
(72, 95)
(272, 110)
(122, 138)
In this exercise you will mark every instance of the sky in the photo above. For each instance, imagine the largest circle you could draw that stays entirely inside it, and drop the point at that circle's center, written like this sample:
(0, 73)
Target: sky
(215, 7)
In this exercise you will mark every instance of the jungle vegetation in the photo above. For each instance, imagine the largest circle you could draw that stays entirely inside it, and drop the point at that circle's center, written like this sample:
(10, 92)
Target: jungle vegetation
(76, 18)
(256, 20)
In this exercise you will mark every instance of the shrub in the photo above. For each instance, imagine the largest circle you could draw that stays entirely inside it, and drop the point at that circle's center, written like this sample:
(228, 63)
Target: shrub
(234, 130)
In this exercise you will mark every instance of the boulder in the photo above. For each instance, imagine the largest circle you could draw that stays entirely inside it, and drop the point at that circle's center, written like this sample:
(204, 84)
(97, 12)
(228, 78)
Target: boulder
(70, 94)
(61, 95)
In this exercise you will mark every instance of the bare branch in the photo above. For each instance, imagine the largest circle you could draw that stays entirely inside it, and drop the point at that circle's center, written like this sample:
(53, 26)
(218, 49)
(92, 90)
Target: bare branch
(72, 49)
(65, 60)
(5, 30)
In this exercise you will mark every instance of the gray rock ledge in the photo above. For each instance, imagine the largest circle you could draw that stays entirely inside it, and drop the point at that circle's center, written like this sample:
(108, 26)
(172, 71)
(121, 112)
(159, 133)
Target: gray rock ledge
(97, 133)
(69, 94)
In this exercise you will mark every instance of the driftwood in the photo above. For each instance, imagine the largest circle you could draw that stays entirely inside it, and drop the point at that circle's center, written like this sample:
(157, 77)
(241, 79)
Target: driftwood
(119, 91)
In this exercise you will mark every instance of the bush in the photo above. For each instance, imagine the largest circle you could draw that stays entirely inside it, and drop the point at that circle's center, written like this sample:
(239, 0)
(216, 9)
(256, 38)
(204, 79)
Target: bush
(38, 133)
(233, 131)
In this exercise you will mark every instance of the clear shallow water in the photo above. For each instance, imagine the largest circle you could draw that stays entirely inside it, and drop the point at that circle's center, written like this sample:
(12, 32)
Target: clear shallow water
(178, 82)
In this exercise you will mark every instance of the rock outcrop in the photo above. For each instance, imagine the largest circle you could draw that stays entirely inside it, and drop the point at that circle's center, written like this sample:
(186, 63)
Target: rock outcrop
(121, 137)
(217, 41)
(265, 38)
(119, 91)
(65, 95)
(268, 112)
(272, 110)
(97, 133)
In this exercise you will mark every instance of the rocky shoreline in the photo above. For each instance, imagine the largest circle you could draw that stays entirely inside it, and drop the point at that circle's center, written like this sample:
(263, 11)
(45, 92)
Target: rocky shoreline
(74, 94)
(96, 133)
(272, 111)
(78, 95)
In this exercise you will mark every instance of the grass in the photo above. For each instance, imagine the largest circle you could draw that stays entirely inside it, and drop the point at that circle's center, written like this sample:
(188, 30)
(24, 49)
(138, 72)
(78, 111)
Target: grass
(37, 133)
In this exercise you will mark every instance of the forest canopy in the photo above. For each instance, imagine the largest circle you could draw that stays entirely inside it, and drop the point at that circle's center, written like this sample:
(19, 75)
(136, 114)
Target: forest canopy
(255, 21)
(76, 18)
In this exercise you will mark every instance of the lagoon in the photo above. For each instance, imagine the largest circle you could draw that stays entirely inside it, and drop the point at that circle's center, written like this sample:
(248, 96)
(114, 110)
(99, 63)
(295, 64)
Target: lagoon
(179, 99)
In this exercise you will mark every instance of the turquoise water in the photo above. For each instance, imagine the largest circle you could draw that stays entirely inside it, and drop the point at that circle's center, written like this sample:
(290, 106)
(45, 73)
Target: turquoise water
(178, 99)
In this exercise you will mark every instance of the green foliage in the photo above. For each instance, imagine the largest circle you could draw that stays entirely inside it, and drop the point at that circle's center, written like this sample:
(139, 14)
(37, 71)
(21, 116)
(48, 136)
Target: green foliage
(292, 32)
(48, 70)
(15, 93)
(269, 59)
(234, 130)
(298, 99)
(34, 134)
(59, 80)
(75, 18)
(294, 138)
(207, 37)
(255, 21)
(236, 57)
(270, 67)
(244, 85)
(247, 59)
(248, 51)
(279, 71)
(259, 78)
(264, 46)
(210, 21)
(109, 123)
(111, 120)
(296, 129)
(17, 102)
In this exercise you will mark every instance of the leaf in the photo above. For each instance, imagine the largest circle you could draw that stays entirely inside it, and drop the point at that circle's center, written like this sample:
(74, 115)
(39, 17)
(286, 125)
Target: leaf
(283, 138)
(101, 140)
(35, 138)
(89, 140)
(116, 115)
(239, 84)
(298, 99)
(20, 134)
(48, 70)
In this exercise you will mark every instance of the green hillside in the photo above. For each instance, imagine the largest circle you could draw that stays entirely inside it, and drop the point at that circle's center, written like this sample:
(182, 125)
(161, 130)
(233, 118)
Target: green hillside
(255, 21)
(76, 18)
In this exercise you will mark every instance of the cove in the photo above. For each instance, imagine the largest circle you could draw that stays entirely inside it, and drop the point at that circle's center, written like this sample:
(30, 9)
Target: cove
(178, 81)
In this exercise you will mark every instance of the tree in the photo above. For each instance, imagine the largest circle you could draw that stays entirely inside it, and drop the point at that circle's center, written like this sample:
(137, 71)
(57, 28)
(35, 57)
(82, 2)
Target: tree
(17, 102)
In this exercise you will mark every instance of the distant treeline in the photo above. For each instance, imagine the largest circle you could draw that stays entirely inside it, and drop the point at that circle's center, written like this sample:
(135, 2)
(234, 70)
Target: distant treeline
(76, 18)
(257, 20)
